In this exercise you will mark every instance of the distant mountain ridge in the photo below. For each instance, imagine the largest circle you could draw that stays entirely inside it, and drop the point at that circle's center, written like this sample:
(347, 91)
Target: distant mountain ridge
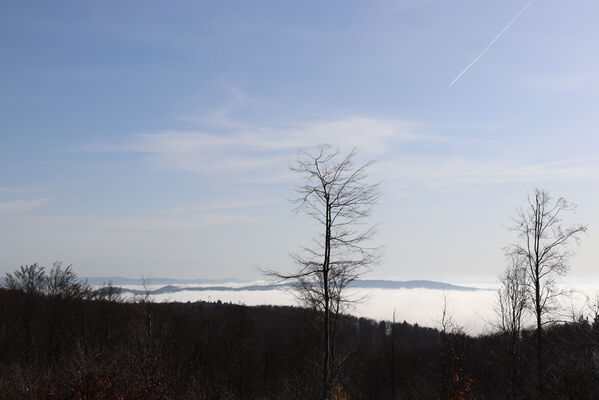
(170, 285)
(118, 281)
(413, 284)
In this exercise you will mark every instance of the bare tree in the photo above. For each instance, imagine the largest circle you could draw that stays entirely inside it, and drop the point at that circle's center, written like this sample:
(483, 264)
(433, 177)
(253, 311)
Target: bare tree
(512, 297)
(30, 279)
(393, 373)
(512, 301)
(337, 195)
(58, 282)
(455, 384)
(64, 283)
(543, 247)
(146, 300)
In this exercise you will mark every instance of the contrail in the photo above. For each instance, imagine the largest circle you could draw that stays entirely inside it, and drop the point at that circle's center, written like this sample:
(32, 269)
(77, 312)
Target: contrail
(492, 41)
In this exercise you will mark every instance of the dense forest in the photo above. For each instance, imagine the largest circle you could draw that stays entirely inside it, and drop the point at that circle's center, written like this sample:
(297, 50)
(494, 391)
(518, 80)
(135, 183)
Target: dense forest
(59, 339)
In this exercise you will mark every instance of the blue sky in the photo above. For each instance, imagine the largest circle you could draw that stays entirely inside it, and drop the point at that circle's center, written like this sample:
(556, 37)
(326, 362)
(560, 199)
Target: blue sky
(154, 138)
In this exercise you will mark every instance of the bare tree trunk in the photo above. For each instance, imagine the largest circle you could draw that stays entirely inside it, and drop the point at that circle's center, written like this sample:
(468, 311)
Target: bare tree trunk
(327, 337)
(513, 365)
(537, 235)
(539, 335)
(327, 326)
(393, 383)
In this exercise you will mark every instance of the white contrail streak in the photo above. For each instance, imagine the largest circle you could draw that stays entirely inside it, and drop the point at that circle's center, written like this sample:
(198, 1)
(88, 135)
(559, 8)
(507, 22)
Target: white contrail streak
(492, 41)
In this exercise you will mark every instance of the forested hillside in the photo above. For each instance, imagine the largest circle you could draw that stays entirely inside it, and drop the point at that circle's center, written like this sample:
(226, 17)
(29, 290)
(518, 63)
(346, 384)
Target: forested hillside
(81, 344)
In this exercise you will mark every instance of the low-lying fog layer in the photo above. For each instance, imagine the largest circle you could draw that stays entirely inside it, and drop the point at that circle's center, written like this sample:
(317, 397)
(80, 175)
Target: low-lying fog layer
(474, 311)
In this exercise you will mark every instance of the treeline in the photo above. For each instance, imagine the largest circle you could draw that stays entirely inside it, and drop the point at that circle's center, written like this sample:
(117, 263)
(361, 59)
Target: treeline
(61, 340)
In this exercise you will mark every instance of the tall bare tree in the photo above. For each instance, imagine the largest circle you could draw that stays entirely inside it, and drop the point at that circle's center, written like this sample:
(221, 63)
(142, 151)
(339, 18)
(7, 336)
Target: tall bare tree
(512, 302)
(337, 194)
(544, 248)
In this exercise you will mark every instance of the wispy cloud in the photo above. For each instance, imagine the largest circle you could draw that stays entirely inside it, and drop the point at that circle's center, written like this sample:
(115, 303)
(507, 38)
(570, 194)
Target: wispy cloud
(265, 150)
(263, 154)
(496, 38)
(203, 208)
(428, 171)
(20, 206)
(19, 189)
(175, 223)
(148, 224)
(575, 82)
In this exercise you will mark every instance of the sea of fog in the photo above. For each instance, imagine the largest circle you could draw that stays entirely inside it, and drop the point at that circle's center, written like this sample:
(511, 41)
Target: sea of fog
(474, 311)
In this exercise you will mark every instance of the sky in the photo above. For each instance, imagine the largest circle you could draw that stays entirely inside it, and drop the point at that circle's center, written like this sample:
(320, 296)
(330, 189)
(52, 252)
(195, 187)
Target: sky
(156, 139)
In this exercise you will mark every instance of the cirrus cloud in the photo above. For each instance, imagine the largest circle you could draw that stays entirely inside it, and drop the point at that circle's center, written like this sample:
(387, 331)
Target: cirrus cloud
(265, 151)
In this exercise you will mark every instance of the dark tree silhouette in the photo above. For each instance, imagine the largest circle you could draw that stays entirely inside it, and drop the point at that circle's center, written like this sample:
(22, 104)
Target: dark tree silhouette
(336, 194)
(512, 303)
(543, 248)
(29, 279)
